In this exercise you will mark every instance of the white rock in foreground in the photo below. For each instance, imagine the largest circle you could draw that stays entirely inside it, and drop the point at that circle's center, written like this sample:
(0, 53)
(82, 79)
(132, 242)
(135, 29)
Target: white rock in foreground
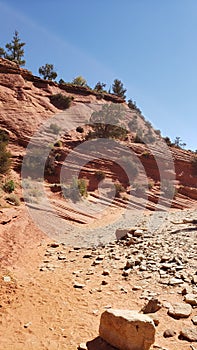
(127, 330)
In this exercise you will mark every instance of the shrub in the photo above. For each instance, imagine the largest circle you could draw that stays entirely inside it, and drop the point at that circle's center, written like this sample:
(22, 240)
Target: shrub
(99, 87)
(80, 129)
(9, 186)
(58, 143)
(82, 186)
(33, 190)
(76, 190)
(4, 136)
(106, 122)
(119, 189)
(54, 128)
(150, 185)
(80, 81)
(47, 71)
(168, 141)
(5, 159)
(146, 154)
(100, 175)
(58, 156)
(60, 101)
(13, 199)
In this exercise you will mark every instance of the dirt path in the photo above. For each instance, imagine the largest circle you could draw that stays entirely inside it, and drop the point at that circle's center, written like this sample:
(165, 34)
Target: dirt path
(56, 295)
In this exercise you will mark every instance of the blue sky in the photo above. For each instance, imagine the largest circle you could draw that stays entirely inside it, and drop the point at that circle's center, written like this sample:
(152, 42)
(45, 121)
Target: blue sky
(150, 45)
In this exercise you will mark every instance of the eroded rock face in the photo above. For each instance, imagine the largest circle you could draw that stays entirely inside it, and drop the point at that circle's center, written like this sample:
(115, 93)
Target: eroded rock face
(127, 330)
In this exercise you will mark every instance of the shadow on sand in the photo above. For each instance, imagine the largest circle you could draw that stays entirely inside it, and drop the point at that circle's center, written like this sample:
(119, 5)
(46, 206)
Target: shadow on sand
(99, 344)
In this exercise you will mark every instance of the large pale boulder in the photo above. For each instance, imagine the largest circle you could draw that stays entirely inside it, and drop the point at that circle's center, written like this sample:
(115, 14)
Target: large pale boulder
(127, 330)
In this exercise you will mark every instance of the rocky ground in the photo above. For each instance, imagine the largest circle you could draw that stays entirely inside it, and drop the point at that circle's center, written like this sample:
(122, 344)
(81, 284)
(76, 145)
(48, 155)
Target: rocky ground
(52, 295)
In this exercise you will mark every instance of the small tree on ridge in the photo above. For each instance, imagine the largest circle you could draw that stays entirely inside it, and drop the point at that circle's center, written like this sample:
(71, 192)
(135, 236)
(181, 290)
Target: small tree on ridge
(15, 50)
(47, 71)
(118, 88)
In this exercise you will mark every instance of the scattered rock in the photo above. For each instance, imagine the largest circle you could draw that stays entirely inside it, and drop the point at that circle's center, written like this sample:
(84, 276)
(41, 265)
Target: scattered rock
(79, 285)
(180, 310)
(138, 233)
(154, 318)
(153, 306)
(168, 333)
(104, 283)
(121, 234)
(61, 257)
(194, 279)
(82, 346)
(7, 278)
(87, 256)
(126, 329)
(135, 288)
(100, 257)
(174, 281)
(126, 273)
(189, 334)
(26, 325)
(194, 320)
(54, 245)
(191, 299)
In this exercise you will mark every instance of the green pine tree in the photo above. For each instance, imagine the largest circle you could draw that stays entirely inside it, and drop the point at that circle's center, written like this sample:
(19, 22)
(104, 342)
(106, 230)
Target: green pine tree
(47, 71)
(15, 50)
(118, 88)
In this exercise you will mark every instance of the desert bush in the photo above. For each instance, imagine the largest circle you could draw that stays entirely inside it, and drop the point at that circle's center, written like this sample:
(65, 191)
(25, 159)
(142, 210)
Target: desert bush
(76, 190)
(119, 189)
(9, 186)
(50, 165)
(82, 186)
(13, 199)
(99, 87)
(5, 156)
(58, 156)
(168, 141)
(80, 81)
(54, 128)
(146, 154)
(100, 175)
(4, 136)
(58, 143)
(106, 122)
(60, 101)
(33, 190)
(150, 185)
(5, 159)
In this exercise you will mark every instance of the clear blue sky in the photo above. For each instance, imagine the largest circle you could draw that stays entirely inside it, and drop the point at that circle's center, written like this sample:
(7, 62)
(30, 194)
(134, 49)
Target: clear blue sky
(151, 45)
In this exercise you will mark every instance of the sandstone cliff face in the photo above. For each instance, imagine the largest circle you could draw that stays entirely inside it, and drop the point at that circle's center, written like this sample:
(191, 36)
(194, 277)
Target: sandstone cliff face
(25, 105)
